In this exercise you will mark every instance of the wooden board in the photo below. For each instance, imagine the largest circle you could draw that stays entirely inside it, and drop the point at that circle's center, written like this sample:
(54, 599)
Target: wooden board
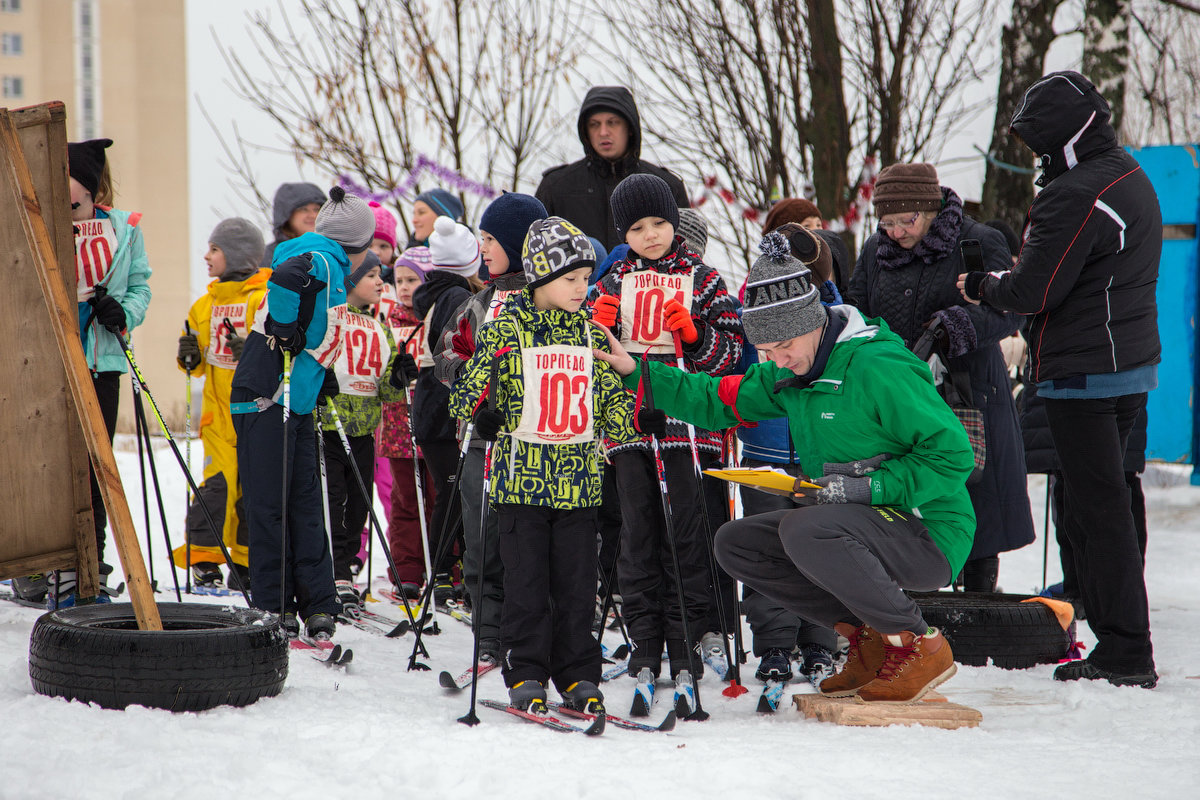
(933, 711)
(45, 496)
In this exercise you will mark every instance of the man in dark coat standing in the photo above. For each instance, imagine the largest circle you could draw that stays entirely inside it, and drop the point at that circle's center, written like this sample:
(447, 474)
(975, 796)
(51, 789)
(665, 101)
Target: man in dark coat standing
(1086, 275)
(611, 132)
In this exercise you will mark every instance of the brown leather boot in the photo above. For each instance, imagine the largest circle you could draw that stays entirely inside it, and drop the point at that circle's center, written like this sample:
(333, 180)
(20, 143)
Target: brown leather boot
(862, 662)
(912, 665)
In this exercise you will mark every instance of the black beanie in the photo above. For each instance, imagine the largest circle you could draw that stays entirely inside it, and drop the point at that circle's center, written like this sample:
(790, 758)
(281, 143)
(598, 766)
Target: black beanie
(643, 195)
(85, 161)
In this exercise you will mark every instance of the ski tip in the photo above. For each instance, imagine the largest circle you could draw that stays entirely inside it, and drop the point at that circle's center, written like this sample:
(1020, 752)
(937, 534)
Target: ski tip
(621, 653)
(399, 630)
(597, 726)
(446, 681)
(764, 705)
(668, 723)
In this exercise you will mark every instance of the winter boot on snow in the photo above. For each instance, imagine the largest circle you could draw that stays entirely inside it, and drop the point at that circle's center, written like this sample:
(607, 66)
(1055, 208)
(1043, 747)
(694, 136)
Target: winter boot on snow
(912, 665)
(643, 694)
(31, 588)
(348, 595)
(290, 625)
(1085, 670)
(584, 696)
(862, 661)
(816, 662)
(207, 576)
(490, 651)
(528, 696)
(320, 627)
(775, 665)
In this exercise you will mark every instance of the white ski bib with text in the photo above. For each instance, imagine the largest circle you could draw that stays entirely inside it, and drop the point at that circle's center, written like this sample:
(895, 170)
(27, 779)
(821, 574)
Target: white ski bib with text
(557, 407)
(643, 295)
(94, 247)
(363, 358)
(225, 318)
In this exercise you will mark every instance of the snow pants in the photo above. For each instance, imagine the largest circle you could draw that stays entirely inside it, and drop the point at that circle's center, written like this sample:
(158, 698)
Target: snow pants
(348, 508)
(645, 568)
(549, 559)
(1090, 436)
(772, 625)
(404, 521)
(837, 563)
(108, 393)
(307, 574)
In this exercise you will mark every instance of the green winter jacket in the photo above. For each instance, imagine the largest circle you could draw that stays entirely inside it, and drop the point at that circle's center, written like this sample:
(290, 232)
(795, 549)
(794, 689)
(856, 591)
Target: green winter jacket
(565, 476)
(873, 397)
(360, 415)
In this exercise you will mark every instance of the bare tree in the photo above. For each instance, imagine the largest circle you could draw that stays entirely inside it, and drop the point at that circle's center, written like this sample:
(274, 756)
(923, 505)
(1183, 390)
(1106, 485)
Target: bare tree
(358, 88)
(777, 98)
(1164, 74)
(1008, 177)
(1106, 52)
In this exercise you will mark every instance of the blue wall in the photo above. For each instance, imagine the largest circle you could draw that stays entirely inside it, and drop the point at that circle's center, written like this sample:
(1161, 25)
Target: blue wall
(1175, 172)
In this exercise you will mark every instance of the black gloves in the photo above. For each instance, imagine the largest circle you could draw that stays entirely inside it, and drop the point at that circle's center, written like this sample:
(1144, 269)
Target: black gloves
(236, 343)
(487, 423)
(285, 337)
(972, 285)
(108, 311)
(404, 370)
(652, 422)
(329, 387)
(189, 352)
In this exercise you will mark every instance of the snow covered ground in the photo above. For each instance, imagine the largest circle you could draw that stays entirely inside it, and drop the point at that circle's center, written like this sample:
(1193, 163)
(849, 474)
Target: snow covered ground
(381, 728)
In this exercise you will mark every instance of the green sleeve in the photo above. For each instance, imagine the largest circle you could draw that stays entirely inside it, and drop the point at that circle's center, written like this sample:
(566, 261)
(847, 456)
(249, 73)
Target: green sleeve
(700, 399)
(939, 460)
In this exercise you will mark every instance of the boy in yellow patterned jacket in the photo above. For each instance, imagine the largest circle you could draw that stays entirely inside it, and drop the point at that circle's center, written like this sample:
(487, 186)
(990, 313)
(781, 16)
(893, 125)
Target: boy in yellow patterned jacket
(552, 401)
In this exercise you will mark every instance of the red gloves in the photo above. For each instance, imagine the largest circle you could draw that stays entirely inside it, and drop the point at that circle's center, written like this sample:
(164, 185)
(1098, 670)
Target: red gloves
(606, 310)
(678, 318)
(462, 342)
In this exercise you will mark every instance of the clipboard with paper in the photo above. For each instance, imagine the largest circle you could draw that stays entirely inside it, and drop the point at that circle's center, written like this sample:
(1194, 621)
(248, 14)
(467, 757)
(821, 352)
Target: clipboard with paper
(764, 479)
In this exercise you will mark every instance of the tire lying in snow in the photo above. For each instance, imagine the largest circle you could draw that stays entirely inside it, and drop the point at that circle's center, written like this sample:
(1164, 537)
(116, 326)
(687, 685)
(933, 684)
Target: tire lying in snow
(205, 656)
(987, 625)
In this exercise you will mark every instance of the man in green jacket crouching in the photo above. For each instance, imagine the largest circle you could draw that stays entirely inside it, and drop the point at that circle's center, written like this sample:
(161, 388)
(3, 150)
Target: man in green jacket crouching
(887, 459)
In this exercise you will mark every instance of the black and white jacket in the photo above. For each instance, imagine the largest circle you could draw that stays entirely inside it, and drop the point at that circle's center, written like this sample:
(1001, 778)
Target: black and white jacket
(1089, 263)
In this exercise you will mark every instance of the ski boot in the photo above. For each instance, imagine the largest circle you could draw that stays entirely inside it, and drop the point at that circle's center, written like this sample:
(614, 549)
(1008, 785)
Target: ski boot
(290, 625)
(643, 695)
(528, 696)
(584, 696)
(320, 627)
(775, 665)
(207, 576)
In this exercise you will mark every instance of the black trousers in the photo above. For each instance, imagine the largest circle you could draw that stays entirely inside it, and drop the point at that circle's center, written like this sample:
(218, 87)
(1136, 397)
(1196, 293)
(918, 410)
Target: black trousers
(1066, 554)
(308, 571)
(348, 509)
(485, 606)
(550, 594)
(1090, 436)
(645, 568)
(108, 393)
(441, 457)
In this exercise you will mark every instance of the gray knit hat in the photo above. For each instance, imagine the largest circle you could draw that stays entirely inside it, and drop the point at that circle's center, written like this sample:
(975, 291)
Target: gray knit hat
(242, 243)
(641, 195)
(348, 220)
(782, 302)
(554, 246)
(693, 229)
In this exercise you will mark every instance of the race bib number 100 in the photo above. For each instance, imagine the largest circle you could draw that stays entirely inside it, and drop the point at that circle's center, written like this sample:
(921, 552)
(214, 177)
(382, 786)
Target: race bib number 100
(644, 294)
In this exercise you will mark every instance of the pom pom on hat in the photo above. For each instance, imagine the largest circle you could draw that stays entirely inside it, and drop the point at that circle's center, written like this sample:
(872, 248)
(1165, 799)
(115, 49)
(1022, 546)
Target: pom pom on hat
(453, 248)
(347, 220)
(781, 300)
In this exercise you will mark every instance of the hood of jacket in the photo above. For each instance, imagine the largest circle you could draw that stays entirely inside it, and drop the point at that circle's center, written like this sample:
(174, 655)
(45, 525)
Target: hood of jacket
(619, 100)
(1063, 120)
(312, 243)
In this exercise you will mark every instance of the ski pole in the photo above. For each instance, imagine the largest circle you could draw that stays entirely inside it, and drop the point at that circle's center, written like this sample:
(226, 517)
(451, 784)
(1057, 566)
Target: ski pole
(141, 437)
(1046, 532)
(669, 522)
(490, 392)
(283, 543)
(187, 443)
(144, 427)
(417, 469)
(445, 540)
(733, 669)
(362, 487)
(137, 375)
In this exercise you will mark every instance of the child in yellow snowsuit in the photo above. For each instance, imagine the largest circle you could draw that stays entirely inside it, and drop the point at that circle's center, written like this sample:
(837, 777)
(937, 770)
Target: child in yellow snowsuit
(211, 345)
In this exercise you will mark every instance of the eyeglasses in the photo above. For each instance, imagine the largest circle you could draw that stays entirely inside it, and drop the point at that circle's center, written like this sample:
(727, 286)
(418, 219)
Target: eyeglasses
(887, 225)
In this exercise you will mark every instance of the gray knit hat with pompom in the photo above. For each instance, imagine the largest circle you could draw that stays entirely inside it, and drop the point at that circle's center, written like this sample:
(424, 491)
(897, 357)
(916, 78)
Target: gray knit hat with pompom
(782, 301)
